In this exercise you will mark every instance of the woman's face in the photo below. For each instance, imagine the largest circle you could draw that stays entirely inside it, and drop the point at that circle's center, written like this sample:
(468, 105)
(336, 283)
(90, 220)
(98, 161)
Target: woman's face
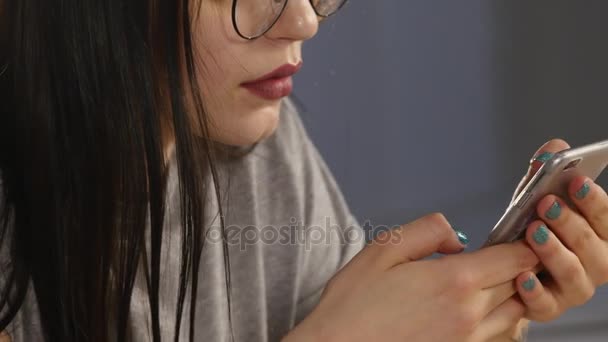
(241, 112)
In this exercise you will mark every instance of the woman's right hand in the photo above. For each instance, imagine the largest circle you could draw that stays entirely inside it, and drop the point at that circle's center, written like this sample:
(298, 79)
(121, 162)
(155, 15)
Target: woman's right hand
(386, 293)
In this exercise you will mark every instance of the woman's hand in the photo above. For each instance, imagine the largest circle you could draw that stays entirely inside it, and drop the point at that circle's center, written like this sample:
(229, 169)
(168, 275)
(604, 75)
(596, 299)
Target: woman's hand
(572, 244)
(386, 293)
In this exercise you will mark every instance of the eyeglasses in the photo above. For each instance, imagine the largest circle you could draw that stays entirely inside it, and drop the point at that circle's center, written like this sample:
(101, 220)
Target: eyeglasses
(253, 18)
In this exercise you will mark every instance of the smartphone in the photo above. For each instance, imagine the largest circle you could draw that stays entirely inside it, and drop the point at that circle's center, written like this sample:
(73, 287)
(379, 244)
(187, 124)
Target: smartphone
(553, 177)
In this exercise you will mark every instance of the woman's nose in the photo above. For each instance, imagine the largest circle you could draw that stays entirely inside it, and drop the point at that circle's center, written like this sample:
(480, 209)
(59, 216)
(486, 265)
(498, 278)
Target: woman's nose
(298, 22)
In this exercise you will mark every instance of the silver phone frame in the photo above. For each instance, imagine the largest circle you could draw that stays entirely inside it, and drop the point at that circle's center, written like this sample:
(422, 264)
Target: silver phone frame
(551, 178)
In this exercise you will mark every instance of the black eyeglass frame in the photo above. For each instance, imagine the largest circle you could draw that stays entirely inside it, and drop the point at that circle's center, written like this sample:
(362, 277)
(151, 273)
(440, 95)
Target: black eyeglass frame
(236, 28)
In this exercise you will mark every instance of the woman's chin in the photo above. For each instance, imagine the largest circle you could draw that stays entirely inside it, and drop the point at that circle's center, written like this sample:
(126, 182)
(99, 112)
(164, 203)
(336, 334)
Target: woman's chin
(249, 129)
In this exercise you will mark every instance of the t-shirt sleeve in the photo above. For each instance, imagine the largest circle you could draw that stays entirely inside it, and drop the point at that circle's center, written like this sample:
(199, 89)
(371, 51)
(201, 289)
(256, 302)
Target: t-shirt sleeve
(352, 235)
(334, 234)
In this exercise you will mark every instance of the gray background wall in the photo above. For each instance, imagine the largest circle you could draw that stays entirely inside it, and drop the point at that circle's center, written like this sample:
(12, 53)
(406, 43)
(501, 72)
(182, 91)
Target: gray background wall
(422, 106)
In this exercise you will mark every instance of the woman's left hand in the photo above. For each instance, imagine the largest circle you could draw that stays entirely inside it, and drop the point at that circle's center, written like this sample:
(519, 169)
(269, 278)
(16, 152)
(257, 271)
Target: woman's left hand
(571, 244)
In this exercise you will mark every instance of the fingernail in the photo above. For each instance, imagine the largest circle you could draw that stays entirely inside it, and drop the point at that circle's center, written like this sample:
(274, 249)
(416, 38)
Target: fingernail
(544, 157)
(541, 235)
(529, 284)
(462, 237)
(583, 191)
(554, 211)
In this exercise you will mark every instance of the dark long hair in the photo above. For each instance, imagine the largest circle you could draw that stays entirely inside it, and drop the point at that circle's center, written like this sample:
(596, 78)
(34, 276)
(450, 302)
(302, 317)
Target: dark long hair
(86, 89)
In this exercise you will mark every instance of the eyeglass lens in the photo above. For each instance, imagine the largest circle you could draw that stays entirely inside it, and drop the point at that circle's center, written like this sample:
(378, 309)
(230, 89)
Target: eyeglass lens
(253, 18)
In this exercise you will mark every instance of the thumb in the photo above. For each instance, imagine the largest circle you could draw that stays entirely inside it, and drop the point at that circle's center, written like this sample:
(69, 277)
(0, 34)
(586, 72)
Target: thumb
(416, 240)
(542, 155)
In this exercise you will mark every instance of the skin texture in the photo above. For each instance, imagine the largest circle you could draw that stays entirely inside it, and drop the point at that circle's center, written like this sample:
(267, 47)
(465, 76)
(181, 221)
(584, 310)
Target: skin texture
(388, 293)
(225, 61)
(575, 252)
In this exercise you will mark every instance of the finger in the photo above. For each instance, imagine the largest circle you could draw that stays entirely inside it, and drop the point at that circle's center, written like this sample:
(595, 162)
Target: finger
(573, 285)
(415, 241)
(494, 296)
(574, 231)
(497, 264)
(500, 320)
(541, 304)
(546, 152)
(592, 202)
(543, 154)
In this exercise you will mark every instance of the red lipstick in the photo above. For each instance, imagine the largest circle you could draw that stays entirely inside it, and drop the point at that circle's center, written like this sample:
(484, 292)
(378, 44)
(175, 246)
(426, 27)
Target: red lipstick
(274, 85)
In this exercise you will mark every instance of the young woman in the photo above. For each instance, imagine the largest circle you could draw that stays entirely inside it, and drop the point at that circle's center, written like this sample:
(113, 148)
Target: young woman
(158, 184)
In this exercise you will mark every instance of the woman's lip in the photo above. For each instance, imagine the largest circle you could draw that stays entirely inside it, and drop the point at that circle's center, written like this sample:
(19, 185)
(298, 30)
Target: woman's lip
(271, 89)
(276, 84)
(280, 72)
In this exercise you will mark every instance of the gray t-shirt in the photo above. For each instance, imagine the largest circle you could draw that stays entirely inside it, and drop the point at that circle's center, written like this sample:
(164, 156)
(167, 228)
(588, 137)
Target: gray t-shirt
(290, 230)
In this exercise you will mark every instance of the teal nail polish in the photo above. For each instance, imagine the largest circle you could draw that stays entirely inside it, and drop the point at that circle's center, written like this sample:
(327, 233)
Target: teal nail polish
(541, 235)
(529, 284)
(544, 157)
(554, 211)
(462, 237)
(583, 191)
